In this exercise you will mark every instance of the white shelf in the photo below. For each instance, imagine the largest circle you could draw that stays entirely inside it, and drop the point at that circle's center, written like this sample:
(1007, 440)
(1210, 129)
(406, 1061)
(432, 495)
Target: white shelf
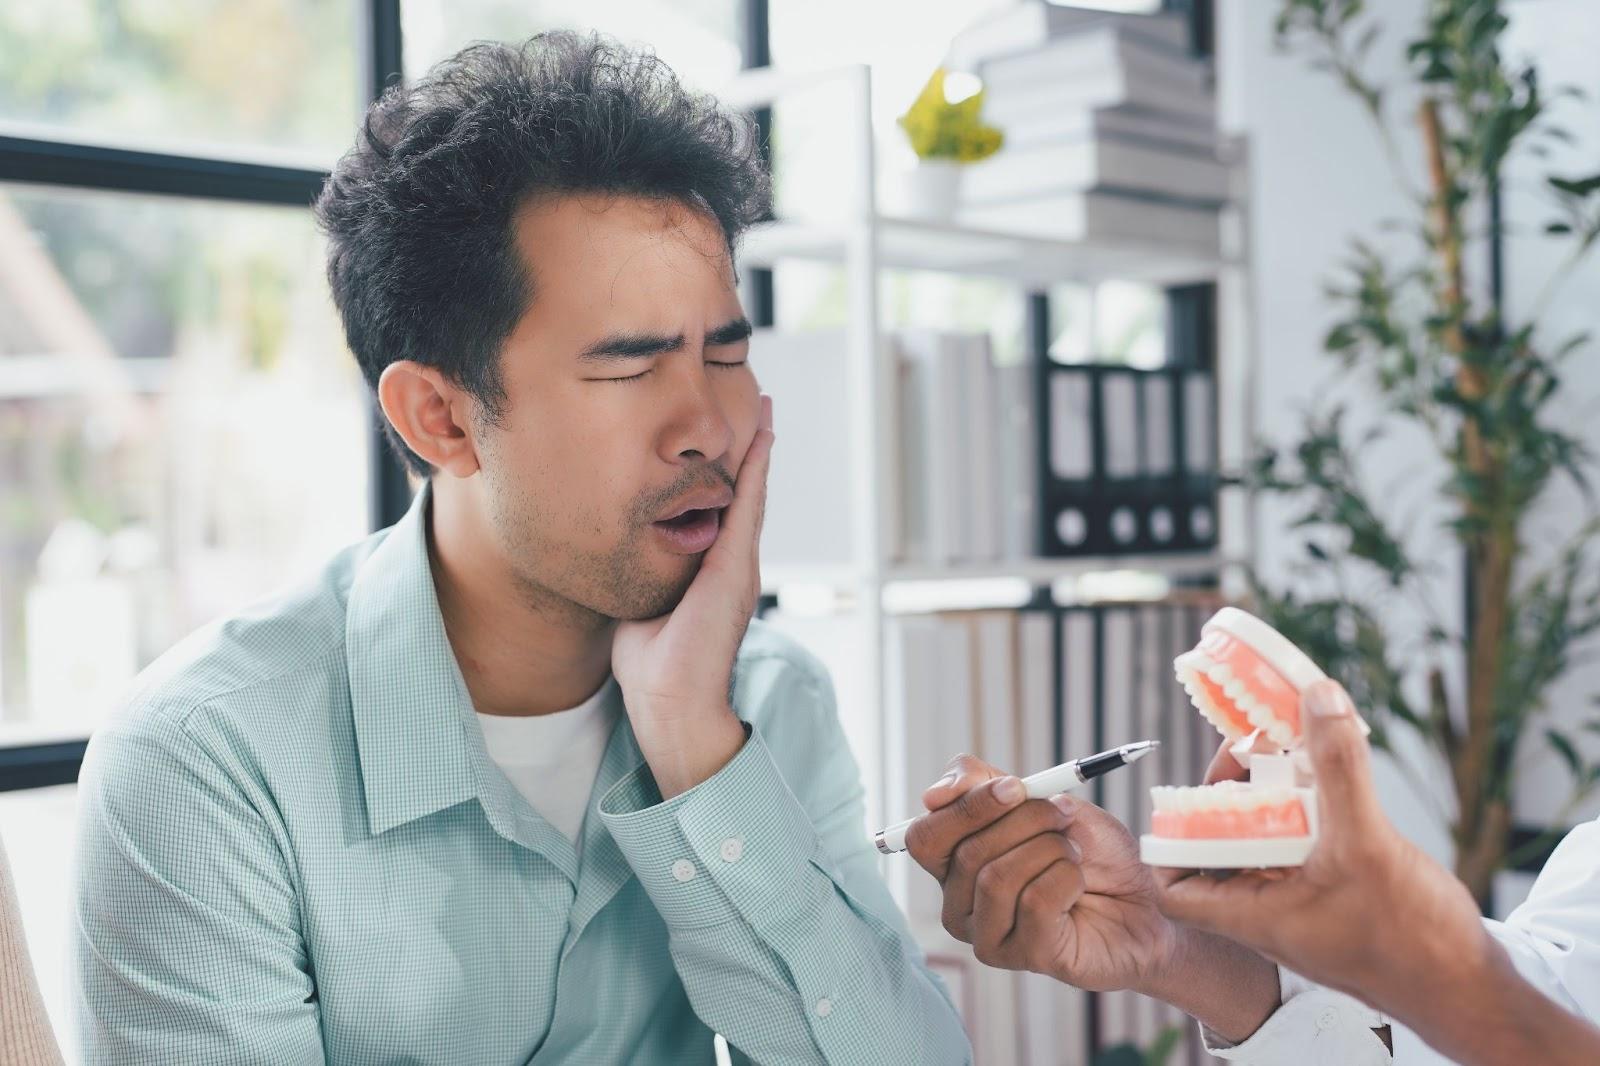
(1039, 571)
(1032, 261)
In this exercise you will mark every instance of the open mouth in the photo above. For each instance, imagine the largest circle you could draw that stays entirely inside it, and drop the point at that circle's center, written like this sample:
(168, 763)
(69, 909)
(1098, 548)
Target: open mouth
(691, 532)
(689, 518)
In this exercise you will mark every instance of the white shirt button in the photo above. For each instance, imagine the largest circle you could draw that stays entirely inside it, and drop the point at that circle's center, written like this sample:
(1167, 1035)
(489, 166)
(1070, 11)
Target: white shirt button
(732, 849)
(683, 870)
(824, 1007)
(1327, 1019)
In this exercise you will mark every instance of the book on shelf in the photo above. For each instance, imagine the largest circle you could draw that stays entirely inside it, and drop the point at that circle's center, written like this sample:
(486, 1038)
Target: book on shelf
(1095, 52)
(1103, 66)
(1119, 479)
(1126, 123)
(1107, 161)
(965, 451)
(1017, 439)
(809, 504)
(1024, 27)
(1108, 215)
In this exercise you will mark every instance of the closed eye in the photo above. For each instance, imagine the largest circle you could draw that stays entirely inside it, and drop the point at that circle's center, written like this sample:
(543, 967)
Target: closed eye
(631, 377)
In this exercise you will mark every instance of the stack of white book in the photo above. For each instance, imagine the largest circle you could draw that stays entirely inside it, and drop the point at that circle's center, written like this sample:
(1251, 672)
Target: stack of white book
(967, 448)
(1109, 123)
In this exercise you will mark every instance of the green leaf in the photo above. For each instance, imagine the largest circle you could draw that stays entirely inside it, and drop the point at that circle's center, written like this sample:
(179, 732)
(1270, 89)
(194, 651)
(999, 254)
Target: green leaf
(1164, 1046)
(1340, 337)
(1120, 1055)
(1575, 186)
(1564, 748)
(1557, 227)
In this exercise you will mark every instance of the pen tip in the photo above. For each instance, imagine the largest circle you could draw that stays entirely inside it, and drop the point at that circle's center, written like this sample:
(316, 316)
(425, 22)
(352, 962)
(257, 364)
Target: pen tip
(1135, 752)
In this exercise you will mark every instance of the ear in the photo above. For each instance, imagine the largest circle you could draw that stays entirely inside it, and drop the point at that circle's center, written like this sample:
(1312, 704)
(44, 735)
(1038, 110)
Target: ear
(431, 415)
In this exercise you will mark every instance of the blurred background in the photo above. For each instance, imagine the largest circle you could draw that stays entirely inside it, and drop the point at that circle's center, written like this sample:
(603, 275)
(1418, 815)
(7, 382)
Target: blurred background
(1082, 321)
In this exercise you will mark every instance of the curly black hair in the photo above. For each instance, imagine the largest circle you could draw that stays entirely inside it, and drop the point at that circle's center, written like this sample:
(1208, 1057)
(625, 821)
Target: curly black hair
(418, 214)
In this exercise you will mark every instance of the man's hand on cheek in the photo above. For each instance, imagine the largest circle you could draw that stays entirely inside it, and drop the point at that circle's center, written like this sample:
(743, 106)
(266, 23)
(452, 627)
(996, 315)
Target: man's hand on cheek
(675, 671)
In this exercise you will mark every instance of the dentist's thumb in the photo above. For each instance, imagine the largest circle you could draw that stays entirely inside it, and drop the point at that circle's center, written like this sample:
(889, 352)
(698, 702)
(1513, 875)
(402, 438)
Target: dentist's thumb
(1340, 758)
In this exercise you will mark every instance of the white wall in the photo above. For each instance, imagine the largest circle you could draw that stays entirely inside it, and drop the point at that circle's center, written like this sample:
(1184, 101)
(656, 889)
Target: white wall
(1560, 36)
(1320, 177)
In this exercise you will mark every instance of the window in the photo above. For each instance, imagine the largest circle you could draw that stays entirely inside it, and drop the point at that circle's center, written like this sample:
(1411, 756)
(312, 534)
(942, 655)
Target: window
(181, 430)
(1111, 322)
(699, 39)
(204, 77)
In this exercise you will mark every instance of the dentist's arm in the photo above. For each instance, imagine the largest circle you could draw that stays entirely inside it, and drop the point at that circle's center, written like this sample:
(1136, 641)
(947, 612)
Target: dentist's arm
(1372, 916)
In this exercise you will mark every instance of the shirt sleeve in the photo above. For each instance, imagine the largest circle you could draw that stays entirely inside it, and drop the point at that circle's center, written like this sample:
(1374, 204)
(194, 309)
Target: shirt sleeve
(1554, 937)
(782, 930)
(186, 944)
(1315, 1026)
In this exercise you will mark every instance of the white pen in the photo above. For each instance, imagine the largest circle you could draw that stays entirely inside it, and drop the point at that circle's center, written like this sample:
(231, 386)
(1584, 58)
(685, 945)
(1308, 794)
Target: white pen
(1042, 785)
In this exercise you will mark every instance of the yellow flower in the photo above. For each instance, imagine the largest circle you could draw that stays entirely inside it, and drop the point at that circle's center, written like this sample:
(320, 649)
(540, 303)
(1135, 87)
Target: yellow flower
(938, 129)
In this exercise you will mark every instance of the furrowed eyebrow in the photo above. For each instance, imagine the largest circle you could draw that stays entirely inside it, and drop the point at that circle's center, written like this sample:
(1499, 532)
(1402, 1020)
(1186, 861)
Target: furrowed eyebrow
(630, 346)
(646, 345)
(731, 333)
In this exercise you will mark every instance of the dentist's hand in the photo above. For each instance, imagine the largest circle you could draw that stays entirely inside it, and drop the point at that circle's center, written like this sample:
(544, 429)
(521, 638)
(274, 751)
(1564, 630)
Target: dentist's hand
(676, 671)
(1368, 913)
(1056, 887)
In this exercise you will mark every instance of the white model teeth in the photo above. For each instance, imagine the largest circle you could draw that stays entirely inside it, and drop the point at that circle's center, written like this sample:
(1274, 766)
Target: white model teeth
(1192, 665)
(1262, 717)
(1189, 667)
(1225, 796)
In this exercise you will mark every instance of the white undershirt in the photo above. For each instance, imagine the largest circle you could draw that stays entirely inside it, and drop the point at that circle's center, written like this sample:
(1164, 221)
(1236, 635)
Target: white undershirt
(553, 759)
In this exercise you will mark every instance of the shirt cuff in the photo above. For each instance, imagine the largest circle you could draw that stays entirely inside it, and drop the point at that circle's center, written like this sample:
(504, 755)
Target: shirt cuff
(733, 846)
(1314, 1025)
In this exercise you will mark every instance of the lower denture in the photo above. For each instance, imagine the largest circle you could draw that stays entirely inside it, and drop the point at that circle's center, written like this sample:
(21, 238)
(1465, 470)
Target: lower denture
(1210, 812)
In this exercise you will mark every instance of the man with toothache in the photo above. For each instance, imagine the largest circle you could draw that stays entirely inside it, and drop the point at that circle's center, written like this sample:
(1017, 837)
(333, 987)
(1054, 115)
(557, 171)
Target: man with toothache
(516, 780)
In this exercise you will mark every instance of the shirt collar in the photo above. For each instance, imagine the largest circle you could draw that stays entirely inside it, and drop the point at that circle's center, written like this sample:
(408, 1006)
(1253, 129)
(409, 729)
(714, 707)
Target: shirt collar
(407, 697)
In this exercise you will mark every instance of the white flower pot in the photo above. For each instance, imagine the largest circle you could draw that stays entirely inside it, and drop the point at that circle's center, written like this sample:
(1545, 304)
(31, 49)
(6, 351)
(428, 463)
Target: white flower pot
(933, 190)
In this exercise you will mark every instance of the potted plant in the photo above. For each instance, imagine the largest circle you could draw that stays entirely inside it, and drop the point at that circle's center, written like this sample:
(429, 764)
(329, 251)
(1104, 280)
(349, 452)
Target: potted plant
(946, 134)
(1433, 354)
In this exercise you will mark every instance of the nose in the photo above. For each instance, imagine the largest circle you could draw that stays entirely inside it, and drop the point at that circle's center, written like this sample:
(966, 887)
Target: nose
(696, 428)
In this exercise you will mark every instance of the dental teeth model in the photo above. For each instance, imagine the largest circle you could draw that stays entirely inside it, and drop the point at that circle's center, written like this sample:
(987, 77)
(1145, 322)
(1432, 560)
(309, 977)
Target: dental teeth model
(1245, 678)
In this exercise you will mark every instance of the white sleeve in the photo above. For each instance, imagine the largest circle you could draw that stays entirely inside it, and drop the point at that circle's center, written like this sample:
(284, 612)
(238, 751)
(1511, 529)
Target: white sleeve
(1554, 937)
(1315, 1026)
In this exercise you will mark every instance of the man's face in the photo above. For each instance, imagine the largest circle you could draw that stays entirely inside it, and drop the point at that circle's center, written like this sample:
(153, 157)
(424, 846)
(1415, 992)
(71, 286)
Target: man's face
(628, 397)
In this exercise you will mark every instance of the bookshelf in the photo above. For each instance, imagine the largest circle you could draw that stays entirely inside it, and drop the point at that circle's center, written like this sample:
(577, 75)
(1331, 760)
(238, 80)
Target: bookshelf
(866, 242)
(1032, 262)
(1034, 571)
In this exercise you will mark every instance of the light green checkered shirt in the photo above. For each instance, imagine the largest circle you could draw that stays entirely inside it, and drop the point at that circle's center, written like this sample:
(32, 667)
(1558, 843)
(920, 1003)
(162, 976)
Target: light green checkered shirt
(295, 849)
